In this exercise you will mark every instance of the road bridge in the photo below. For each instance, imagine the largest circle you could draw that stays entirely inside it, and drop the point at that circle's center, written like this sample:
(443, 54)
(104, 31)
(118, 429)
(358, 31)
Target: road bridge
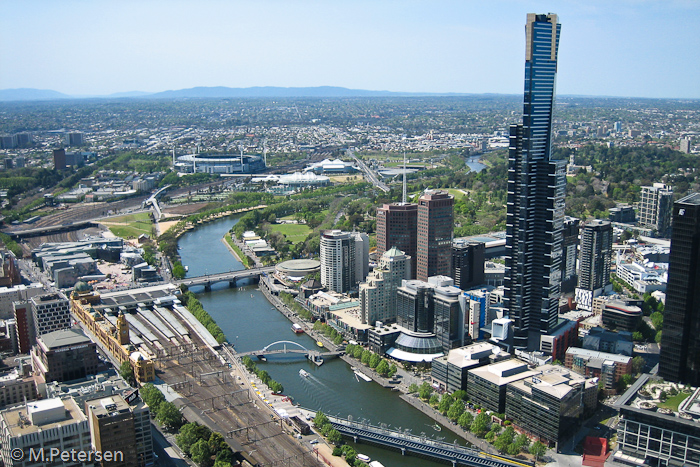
(422, 446)
(231, 277)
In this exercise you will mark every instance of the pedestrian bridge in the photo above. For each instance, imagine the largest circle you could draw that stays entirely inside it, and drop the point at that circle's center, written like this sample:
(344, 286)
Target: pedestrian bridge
(296, 348)
(422, 446)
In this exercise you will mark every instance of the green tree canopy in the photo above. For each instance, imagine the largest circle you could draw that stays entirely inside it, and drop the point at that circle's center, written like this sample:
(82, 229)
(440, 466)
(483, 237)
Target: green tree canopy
(169, 415)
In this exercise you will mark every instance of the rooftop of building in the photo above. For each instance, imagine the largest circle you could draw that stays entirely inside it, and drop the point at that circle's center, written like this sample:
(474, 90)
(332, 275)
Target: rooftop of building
(693, 199)
(594, 354)
(64, 338)
(504, 372)
(645, 395)
(555, 380)
(108, 406)
(18, 420)
(132, 297)
(470, 355)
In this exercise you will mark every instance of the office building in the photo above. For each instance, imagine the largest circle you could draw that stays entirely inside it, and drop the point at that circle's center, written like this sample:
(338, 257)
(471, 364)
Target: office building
(450, 372)
(468, 264)
(435, 227)
(24, 322)
(570, 243)
(647, 435)
(680, 341)
(606, 366)
(477, 316)
(75, 138)
(486, 385)
(602, 340)
(623, 214)
(10, 295)
(338, 268)
(397, 226)
(685, 145)
(448, 317)
(621, 316)
(64, 355)
(595, 261)
(116, 425)
(536, 188)
(59, 159)
(16, 388)
(361, 256)
(548, 405)
(45, 424)
(378, 292)
(50, 312)
(655, 207)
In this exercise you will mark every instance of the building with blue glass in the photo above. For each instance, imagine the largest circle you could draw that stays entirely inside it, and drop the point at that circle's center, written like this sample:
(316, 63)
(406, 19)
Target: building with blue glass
(536, 189)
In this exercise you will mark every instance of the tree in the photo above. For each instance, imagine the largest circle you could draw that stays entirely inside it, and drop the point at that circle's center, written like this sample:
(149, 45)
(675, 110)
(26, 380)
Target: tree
(189, 434)
(169, 415)
(445, 403)
(638, 364)
(456, 410)
(424, 391)
(537, 449)
(624, 382)
(126, 371)
(216, 442)
(413, 387)
(392, 370)
(366, 355)
(465, 420)
(320, 419)
(383, 367)
(225, 455)
(152, 396)
(460, 394)
(200, 453)
(357, 352)
(434, 400)
(522, 441)
(480, 425)
(334, 437)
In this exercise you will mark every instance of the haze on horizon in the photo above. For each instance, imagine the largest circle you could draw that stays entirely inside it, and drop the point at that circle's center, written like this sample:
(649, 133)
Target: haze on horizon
(635, 48)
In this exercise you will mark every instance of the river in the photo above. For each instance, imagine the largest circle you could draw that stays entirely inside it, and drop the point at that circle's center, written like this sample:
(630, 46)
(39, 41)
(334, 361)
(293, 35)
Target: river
(250, 323)
(474, 164)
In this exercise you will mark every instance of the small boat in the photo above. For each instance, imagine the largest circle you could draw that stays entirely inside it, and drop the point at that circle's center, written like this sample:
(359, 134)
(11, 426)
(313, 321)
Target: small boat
(363, 457)
(304, 373)
(362, 375)
(319, 343)
(297, 329)
(437, 427)
(376, 464)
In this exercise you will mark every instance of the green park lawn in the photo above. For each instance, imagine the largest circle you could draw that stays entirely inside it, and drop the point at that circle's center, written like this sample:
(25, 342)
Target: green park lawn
(295, 233)
(672, 402)
(131, 225)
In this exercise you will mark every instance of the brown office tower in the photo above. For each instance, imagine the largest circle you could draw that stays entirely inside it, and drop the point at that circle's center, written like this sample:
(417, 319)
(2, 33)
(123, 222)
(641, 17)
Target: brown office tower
(397, 226)
(59, 159)
(112, 429)
(435, 226)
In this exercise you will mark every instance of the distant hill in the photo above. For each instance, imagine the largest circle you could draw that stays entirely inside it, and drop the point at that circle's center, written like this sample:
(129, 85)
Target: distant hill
(218, 92)
(28, 94)
(272, 91)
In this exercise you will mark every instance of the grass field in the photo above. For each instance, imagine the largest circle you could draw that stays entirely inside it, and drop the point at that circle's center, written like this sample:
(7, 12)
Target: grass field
(131, 225)
(672, 402)
(456, 193)
(295, 233)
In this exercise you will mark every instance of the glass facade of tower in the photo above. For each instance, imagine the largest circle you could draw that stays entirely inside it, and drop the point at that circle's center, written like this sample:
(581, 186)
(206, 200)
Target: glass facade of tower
(679, 360)
(536, 189)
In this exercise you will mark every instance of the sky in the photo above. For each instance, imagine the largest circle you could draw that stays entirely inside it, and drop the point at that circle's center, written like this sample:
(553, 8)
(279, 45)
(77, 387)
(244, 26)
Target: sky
(641, 48)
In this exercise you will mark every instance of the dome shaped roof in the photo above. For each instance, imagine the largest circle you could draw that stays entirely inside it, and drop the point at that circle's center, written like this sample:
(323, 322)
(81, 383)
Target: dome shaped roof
(81, 286)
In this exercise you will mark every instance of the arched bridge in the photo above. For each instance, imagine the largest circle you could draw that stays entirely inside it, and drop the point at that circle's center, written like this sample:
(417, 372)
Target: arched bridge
(313, 355)
(231, 277)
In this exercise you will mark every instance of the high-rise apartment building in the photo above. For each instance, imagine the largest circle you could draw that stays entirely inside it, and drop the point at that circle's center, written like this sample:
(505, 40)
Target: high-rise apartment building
(397, 226)
(595, 261)
(569, 277)
(655, 206)
(50, 312)
(343, 258)
(435, 227)
(536, 188)
(468, 260)
(685, 145)
(378, 292)
(680, 341)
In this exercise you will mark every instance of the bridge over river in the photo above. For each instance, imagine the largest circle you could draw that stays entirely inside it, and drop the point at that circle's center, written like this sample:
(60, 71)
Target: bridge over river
(422, 446)
(314, 355)
(231, 277)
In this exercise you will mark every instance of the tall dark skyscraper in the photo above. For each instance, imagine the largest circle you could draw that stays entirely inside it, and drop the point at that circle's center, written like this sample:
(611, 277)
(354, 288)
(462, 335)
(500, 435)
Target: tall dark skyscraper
(397, 226)
(680, 340)
(595, 261)
(536, 188)
(435, 227)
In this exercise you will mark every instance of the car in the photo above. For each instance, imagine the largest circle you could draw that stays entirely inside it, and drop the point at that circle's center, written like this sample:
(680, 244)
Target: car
(314, 441)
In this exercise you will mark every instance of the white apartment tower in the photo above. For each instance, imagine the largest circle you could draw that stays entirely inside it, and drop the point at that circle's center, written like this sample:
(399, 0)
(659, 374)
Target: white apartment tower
(655, 207)
(378, 292)
(338, 264)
